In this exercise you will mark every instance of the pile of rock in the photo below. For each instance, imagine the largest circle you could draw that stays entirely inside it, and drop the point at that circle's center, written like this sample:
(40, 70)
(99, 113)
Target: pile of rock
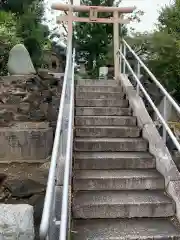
(26, 95)
(29, 98)
(22, 190)
(29, 104)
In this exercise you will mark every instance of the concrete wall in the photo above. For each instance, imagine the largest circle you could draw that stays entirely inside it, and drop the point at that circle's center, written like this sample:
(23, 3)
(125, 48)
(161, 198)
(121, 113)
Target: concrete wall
(164, 163)
(170, 111)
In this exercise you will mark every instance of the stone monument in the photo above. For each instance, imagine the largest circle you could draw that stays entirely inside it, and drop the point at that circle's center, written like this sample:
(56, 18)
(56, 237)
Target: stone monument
(103, 72)
(19, 62)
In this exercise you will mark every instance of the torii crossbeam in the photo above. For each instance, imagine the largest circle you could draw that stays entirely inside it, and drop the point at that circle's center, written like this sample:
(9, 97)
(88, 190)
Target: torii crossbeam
(118, 14)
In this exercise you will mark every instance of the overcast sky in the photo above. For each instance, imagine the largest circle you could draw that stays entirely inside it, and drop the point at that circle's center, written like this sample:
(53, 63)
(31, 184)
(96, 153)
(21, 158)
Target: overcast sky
(150, 8)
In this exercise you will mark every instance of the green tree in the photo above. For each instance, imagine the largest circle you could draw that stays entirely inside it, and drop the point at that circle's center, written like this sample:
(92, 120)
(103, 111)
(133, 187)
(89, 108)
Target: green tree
(165, 60)
(8, 28)
(161, 49)
(34, 33)
(29, 28)
(17, 7)
(8, 37)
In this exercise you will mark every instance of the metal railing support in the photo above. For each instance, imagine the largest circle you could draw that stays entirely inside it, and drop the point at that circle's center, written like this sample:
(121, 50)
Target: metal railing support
(138, 75)
(162, 117)
(69, 148)
(117, 64)
(46, 215)
(165, 117)
(61, 148)
(124, 64)
(158, 84)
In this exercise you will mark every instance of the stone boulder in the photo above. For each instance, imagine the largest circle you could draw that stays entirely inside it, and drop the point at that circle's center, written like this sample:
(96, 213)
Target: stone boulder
(2, 178)
(44, 73)
(19, 62)
(23, 188)
(16, 222)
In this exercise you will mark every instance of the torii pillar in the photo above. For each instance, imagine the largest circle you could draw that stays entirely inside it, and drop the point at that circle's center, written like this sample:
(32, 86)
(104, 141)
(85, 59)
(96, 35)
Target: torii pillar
(93, 11)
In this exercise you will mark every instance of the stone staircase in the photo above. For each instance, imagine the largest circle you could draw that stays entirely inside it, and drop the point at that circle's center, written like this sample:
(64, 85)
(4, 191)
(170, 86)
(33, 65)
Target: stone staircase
(117, 191)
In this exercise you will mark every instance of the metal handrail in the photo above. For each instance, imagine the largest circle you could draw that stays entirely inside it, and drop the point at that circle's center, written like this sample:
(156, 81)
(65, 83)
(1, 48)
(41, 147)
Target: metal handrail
(153, 78)
(51, 183)
(69, 147)
(158, 84)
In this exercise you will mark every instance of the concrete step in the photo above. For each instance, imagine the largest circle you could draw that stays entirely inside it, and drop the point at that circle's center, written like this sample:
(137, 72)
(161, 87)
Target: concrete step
(117, 180)
(29, 125)
(110, 144)
(122, 204)
(101, 103)
(99, 95)
(14, 107)
(95, 82)
(116, 160)
(125, 229)
(91, 88)
(102, 111)
(107, 131)
(26, 141)
(105, 121)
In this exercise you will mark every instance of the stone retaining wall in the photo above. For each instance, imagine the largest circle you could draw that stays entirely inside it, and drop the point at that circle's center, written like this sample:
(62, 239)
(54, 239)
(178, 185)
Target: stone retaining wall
(164, 162)
(29, 98)
(28, 113)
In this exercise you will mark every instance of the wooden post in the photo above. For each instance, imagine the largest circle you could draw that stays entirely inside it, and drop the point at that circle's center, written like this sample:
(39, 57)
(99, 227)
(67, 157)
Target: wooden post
(120, 44)
(116, 45)
(70, 23)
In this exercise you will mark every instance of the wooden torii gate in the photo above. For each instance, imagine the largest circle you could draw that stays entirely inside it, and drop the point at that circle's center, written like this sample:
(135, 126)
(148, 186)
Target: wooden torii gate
(118, 14)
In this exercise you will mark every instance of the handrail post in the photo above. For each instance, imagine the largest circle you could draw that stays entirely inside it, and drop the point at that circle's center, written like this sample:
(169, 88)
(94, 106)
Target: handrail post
(119, 57)
(116, 45)
(70, 24)
(159, 115)
(138, 75)
(158, 84)
(165, 117)
(124, 53)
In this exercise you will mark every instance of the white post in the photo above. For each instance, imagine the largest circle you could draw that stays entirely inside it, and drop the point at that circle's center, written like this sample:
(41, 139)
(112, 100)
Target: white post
(165, 117)
(70, 23)
(138, 75)
(116, 46)
(124, 53)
